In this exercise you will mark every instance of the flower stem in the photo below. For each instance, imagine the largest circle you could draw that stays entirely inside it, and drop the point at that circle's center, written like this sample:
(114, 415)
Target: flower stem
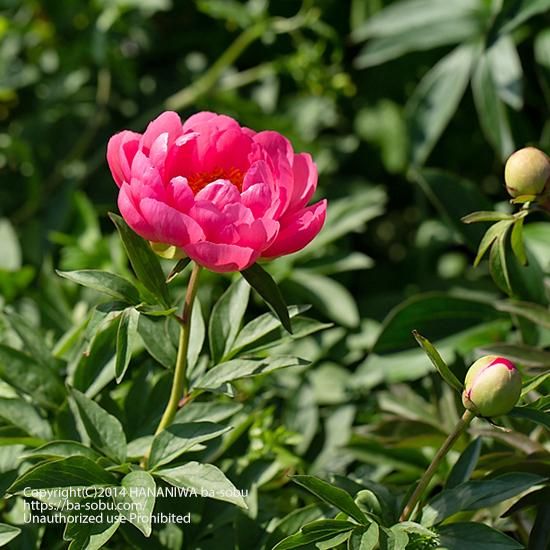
(462, 424)
(179, 384)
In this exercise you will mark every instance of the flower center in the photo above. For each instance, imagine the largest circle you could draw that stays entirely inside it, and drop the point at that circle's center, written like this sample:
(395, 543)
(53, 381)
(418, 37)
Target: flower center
(201, 179)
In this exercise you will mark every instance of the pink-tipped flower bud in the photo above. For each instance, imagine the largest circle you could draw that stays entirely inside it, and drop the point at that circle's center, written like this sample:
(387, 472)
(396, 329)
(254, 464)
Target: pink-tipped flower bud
(527, 172)
(492, 386)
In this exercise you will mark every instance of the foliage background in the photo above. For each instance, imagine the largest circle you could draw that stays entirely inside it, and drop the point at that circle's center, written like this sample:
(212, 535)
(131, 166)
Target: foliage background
(405, 143)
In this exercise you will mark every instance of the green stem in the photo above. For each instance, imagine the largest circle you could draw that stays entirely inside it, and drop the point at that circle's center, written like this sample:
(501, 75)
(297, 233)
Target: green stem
(179, 384)
(462, 424)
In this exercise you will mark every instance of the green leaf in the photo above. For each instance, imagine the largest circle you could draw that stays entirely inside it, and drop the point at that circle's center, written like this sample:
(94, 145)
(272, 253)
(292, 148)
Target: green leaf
(533, 312)
(537, 498)
(436, 98)
(85, 531)
(292, 522)
(412, 364)
(299, 540)
(62, 449)
(533, 383)
(397, 539)
(332, 525)
(490, 109)
(528, 413)
(154, 311)
(262, 282)
(104, 430)
(137, 499)
(327, 295)
(105, 282)
(436, 314)
(94, 367)
(181, 438)
(542, 49)
(540, 533)
(10, 253)
(244, 368)
(32, 338)
(364, 538)
(465, 465)
(526, 355)
(506, 71)
(66, 472)
(206, 479)
(144, 261)
(437, 362)
(196, 335)
(226, 318)
(8, 533)
(415, 25)
(260, 327)
(23, 415)
(331, 495)
(486, 216)
(476, 494)
(155, 334)
(454, 197)
(516, 240)
(178, 268)
(328, 533)
(474, 536)
(334, 541)
(494, 232)
(206, 412)
(536, 237)
(498, 265)
(30, 377)
(125, 341)
(517, 12)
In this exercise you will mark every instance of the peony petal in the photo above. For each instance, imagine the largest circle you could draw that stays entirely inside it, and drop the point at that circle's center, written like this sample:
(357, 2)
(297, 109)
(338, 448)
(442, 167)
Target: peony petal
(131, 213)
(159, 150)
(297, 230)
(305, 181)
(170, 225)
(178, 159)
(146, 180)
(272, 230)
(253, 235)
(275, 145)
(182, 198)
(219, 193)
(221, 257)
(121, 150)
(212, 121)
(257, 198)
(238, 213)
(277, 152)
(168, 122)
(232, 149)
(260, 172)
(216, 226)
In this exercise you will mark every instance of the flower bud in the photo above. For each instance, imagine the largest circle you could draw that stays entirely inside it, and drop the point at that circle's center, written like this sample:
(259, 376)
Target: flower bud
(527, 171)
(492, 386)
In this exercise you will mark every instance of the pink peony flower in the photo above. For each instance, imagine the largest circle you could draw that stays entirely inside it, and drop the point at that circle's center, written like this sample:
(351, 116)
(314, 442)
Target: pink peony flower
(223, 194)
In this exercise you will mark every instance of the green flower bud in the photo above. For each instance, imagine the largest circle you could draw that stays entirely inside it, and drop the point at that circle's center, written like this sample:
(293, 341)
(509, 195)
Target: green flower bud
(492, 386)
(527, 171)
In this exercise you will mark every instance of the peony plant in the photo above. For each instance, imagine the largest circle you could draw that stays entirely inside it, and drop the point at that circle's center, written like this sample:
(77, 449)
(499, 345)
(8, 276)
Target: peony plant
(219, 194)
